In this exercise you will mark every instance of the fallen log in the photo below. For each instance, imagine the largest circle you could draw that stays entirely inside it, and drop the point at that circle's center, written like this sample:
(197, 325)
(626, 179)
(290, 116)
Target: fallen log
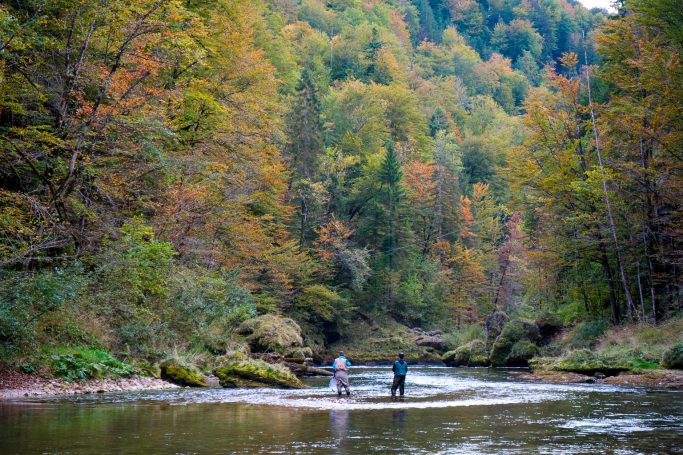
(301, 369)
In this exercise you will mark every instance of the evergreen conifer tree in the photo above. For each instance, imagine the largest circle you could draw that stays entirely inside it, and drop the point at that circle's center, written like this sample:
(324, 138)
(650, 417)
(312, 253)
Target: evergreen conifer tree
(305, 128)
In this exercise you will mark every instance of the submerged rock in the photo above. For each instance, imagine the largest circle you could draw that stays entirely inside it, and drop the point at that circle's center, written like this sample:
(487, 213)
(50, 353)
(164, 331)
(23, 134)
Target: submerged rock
(256, 373)
(174, 371)
(472, 354)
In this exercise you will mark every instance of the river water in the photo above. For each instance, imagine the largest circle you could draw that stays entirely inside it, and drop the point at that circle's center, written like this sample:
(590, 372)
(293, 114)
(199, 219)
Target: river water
(446, 411)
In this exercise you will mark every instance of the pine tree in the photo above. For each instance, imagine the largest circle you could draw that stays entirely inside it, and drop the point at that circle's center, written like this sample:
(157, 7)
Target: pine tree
(391, 176)
(305, 128)
(429, 29)
(437, 122)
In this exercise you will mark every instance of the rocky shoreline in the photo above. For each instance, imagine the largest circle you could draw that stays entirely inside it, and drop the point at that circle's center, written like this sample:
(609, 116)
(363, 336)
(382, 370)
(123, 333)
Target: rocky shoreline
(17, 386)
(670, 379)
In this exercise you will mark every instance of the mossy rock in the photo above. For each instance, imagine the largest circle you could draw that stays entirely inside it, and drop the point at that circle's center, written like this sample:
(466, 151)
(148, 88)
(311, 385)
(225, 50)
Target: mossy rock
(494, 326)
(299, 353)
(513, 332)
(521, 330)
(148, 369)
(174, 371)
(673, 358)
(585, 362)
(256, 373)
(500, 350)
(542, 363)
(472, 354)
(272, 333)
(452, 358)
(521, 352)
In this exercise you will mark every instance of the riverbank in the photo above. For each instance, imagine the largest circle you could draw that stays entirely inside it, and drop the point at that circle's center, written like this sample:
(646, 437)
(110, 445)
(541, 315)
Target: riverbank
(16, 385)
(670, 379)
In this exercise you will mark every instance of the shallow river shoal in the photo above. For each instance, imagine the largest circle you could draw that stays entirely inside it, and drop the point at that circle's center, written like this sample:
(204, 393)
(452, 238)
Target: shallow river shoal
(445, 411)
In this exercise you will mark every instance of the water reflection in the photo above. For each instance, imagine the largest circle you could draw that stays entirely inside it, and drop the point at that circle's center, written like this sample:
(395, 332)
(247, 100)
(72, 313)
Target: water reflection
(339, 423)
(398, 418)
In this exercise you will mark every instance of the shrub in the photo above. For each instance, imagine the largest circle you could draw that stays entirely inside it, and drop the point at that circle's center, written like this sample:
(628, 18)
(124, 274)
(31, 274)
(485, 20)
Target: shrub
(136, 266)
(581, 361)
(143, 337)
(588, 334)
(673, 358)
(26, 299)
(78, 364)
(319, 302)
(465, 334)
(202, 298)
(521, 352)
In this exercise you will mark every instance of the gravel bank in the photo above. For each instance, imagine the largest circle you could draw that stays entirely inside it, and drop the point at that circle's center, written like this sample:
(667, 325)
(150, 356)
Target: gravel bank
(672, 379)
(16, 386)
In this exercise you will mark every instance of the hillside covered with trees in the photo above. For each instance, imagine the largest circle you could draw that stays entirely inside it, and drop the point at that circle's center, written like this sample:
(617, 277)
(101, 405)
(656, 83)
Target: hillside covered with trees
(178, 175)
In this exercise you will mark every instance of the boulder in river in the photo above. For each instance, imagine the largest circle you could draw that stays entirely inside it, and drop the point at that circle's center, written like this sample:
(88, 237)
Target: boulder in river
(176, 372)
(513, 332)
(273, 333)
(472, 354)
(256, 373)
(432, 341)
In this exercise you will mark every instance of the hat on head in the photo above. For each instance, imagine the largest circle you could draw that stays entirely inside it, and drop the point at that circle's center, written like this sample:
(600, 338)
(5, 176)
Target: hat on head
(400, 354)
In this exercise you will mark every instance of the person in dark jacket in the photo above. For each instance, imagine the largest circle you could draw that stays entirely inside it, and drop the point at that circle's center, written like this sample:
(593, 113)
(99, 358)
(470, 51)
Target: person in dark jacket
(400, 370)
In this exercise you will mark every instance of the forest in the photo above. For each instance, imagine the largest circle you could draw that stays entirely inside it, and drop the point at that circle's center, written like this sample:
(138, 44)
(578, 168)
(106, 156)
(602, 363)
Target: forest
(480, 182)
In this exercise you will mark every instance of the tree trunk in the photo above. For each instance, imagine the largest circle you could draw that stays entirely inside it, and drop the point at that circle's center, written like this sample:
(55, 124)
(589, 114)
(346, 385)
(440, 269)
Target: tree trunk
(608, 203)
(613, 303)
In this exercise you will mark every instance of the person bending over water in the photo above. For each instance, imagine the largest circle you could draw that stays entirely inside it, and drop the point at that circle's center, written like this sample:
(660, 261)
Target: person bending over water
(341, 366)
(400, 370)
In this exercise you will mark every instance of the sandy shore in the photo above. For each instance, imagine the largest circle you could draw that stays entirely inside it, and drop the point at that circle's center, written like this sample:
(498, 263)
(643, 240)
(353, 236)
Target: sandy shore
(16, 386)
(672, 379)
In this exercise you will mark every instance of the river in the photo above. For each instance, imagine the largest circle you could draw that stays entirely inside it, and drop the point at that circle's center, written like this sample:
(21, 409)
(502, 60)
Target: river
(446, 411)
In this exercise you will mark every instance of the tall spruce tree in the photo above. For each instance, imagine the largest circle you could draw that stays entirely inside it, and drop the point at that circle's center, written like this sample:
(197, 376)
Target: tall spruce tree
(391, 176)
(305, 134)
(305, 128)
